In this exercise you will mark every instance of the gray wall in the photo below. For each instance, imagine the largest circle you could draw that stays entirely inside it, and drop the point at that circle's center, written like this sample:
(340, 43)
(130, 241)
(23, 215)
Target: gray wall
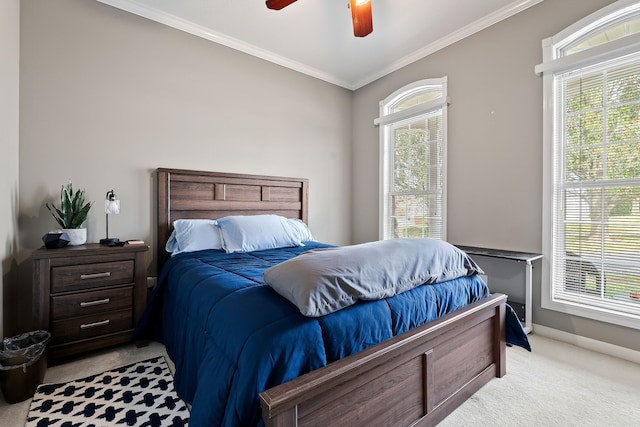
(494, 147)
(9, 102)
(107, 97)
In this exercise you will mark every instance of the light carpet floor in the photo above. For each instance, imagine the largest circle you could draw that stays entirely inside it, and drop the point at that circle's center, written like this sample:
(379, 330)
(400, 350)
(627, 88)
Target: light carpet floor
(557, 384)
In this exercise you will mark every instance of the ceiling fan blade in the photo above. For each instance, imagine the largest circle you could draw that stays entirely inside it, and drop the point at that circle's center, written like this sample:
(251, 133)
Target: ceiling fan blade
(362, 17)
(278, 4)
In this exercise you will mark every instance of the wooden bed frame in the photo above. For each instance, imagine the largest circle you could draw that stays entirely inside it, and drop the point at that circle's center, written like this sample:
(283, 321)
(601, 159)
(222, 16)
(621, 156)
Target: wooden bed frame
(416, 378)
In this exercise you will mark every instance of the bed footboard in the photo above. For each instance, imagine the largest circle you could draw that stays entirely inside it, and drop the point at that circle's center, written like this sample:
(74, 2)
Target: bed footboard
(416, 378)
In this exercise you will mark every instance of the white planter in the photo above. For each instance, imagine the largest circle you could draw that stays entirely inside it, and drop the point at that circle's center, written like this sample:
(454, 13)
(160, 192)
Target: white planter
(77, 236)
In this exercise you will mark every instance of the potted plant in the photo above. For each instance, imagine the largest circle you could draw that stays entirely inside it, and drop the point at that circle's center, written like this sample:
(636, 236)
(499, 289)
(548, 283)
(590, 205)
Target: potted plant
(72, 214)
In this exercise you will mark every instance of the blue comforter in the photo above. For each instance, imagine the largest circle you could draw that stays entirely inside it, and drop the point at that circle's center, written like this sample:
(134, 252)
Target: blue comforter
(232, 337)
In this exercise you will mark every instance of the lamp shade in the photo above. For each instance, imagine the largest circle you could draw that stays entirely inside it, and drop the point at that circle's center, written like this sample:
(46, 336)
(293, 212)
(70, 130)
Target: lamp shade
(362, 17)
(111, 204)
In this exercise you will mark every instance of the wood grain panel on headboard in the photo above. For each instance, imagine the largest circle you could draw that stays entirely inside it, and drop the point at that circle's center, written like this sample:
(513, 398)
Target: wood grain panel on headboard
(187, 194)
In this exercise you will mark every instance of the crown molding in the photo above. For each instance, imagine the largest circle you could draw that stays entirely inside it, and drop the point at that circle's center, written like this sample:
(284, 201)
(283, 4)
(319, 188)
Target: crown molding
(197, 30)
(475, 27)
(192, 28)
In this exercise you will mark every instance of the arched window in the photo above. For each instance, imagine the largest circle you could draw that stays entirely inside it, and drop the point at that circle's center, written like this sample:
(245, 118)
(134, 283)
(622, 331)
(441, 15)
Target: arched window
(413, 135)
(591, 219)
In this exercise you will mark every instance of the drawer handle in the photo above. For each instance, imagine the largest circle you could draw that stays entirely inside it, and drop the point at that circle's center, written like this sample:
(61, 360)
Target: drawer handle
(96, 302)
(94, 325)
(95, 275)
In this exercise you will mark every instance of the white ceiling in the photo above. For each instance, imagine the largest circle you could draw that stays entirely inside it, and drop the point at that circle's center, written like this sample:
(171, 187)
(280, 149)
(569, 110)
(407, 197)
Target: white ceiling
(315, 37)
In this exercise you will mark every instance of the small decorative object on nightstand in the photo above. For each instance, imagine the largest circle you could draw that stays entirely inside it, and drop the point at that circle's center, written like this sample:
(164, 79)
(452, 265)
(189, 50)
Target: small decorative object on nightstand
(111, 207)
(55, 240)
(72, 214)
(88, 296)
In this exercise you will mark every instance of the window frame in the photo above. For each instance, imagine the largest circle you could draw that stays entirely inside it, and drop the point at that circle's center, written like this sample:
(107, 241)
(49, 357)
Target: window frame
(389, 120)
(555, 64)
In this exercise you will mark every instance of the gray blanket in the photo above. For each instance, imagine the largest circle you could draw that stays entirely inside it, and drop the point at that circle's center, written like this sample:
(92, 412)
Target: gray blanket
(322, 281)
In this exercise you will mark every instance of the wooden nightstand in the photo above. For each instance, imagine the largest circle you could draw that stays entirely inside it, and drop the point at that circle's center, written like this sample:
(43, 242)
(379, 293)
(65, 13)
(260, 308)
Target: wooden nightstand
(88, 296)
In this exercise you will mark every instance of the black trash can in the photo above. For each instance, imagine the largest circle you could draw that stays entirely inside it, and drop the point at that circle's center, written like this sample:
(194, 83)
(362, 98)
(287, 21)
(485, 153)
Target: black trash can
(23, 363)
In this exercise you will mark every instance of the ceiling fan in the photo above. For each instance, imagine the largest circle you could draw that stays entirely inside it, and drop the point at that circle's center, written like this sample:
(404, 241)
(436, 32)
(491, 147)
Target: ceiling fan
(360, 14)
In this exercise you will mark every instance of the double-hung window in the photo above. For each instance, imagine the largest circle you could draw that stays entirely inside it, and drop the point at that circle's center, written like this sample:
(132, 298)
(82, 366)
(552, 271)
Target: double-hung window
(413, 135)
(591, 227)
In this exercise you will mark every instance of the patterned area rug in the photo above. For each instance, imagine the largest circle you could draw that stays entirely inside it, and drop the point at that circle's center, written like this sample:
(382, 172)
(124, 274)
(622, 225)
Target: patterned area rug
(140, 394)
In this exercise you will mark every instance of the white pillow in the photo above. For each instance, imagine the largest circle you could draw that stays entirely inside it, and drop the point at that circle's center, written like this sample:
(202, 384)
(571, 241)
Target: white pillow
(299, 230)
(256, 232)
(193, 235)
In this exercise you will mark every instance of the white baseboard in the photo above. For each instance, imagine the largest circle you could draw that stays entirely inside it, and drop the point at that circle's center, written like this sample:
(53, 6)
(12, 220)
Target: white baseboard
(588, 343)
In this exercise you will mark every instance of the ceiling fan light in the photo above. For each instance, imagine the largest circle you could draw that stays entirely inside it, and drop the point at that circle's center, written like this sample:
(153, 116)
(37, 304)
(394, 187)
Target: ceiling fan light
(278, 4)
(361, 16)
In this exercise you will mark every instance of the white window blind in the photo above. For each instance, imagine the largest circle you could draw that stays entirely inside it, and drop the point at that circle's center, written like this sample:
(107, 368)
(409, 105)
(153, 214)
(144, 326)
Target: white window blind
(592, 240)
(413, 152)
(597, 192)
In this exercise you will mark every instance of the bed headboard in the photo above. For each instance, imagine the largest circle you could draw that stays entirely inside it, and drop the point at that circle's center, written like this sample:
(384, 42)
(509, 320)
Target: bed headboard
(187, 194)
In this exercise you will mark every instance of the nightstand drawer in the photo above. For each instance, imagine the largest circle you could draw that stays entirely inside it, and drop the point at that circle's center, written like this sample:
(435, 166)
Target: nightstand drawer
(87, 276)
(82, 327)
(85, 303)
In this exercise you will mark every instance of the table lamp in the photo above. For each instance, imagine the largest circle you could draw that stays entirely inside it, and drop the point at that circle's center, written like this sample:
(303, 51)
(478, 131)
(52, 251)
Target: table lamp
(111, 207)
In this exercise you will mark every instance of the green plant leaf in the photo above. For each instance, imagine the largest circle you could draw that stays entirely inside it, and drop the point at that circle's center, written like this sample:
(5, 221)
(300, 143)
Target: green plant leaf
(73, 211)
